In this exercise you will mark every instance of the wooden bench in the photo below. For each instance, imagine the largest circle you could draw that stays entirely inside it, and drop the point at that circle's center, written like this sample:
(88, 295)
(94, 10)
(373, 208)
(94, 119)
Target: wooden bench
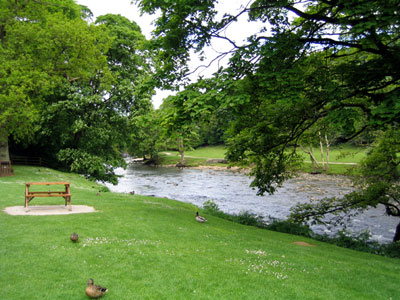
(66, 194)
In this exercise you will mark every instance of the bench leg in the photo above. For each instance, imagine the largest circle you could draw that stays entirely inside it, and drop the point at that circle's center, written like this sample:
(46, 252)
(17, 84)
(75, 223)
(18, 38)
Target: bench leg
(68, 200)
(27, 199)
(68, 191)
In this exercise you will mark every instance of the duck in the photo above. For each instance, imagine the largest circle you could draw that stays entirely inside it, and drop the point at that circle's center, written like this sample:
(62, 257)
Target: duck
(94, 291)
(74, 237)
(200, 219)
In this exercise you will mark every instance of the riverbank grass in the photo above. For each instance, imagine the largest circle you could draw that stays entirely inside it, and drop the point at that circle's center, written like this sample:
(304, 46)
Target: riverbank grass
(342, 159)
(152, 248)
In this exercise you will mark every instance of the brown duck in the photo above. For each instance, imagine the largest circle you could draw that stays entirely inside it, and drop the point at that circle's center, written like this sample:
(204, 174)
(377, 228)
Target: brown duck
(200, 219)
(94, 291)
(74, 237)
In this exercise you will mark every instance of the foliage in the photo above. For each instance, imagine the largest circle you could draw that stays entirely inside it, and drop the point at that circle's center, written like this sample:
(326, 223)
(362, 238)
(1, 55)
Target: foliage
(82, 122)
(244, 217)
(210, 206)
(378, 184)
(42, 47)
(180, 114)
(287, 226)
(146, 136)
(359, 242)
(130, 62)
(312, 64)
(390, 250)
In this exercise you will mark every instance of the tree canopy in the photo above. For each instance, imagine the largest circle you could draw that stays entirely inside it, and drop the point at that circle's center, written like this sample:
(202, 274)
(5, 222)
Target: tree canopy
(68, 88)
(312, 63)
(42, 46)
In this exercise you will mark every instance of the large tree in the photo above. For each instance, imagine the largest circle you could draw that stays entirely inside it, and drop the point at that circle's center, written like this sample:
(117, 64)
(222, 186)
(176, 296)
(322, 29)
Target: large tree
(312, 62)
(43, 45)
(85, 125)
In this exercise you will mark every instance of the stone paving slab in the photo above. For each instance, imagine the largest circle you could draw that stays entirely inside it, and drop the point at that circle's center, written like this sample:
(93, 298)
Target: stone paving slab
(46, 210)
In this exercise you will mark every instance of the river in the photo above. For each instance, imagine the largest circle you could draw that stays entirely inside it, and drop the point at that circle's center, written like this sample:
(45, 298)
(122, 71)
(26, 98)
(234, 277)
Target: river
(231, 191)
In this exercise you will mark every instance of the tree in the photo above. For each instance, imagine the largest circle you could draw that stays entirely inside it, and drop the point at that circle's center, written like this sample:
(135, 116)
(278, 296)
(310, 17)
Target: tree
(179, 128)
(85, 125)
(130, 61)
(146, 136)
(43, 45)
(182, 113)
(333, 61)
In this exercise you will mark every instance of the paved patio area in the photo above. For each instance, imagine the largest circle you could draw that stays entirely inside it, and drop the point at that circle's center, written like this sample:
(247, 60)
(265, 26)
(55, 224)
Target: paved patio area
(45, 210)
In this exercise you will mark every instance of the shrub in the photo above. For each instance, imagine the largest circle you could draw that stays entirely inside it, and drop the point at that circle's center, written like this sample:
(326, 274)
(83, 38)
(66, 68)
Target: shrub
(104, 189)
(390, 250)
(289, 227)
(211, 207)
(359, 242)
(247, 218)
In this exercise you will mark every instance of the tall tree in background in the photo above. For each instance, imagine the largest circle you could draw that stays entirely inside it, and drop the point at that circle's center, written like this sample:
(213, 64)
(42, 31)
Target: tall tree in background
(130, 61)
(311, 61)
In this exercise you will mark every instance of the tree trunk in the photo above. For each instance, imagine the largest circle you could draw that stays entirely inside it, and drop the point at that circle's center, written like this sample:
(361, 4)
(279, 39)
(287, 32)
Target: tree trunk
(181, 151)
(396, 237)
(4, 153)
(314, 162)
(327, 151)
(321, 146)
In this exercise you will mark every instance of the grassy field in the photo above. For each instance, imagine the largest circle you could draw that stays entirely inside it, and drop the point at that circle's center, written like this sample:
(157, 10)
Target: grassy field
(340, 157)
(195, 157)
(151, 248)
(340, 154)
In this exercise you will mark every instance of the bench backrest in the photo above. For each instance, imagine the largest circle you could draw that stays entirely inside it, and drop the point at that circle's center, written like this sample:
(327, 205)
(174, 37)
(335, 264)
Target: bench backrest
(47, 183)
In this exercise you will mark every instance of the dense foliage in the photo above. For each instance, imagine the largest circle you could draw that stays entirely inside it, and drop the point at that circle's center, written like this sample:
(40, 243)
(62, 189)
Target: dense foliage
(42, 46)
(314, 66)
(71, 87)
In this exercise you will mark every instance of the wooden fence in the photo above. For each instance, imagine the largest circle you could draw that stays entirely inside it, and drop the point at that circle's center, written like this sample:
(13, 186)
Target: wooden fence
(6, 166)
(28, 161)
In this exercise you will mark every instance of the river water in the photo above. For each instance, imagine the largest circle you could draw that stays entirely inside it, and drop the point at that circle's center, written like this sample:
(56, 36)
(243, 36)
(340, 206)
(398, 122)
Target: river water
(231, 191)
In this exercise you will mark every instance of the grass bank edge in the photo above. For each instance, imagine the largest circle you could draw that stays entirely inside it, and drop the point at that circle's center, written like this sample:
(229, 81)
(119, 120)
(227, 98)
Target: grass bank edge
(339, 159)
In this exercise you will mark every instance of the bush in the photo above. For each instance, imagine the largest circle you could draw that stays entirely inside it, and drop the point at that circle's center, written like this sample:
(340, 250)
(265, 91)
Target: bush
(289, 227)
(390, 250)
(247, 218)
(104, 189)
(211, 207)
(359, 242)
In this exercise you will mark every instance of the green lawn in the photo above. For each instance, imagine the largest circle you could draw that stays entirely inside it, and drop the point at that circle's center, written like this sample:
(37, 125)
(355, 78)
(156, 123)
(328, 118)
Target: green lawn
(195, 157)
(208, 152)
(342, 154)
(339, 157)
(151, 248)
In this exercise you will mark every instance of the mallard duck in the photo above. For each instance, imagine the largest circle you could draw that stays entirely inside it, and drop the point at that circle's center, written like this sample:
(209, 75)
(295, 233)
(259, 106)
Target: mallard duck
(93, 290)
(74, 237)
(200, 219)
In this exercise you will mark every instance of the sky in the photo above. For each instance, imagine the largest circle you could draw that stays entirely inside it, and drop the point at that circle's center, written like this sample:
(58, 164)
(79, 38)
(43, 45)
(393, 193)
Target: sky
(238, 32)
